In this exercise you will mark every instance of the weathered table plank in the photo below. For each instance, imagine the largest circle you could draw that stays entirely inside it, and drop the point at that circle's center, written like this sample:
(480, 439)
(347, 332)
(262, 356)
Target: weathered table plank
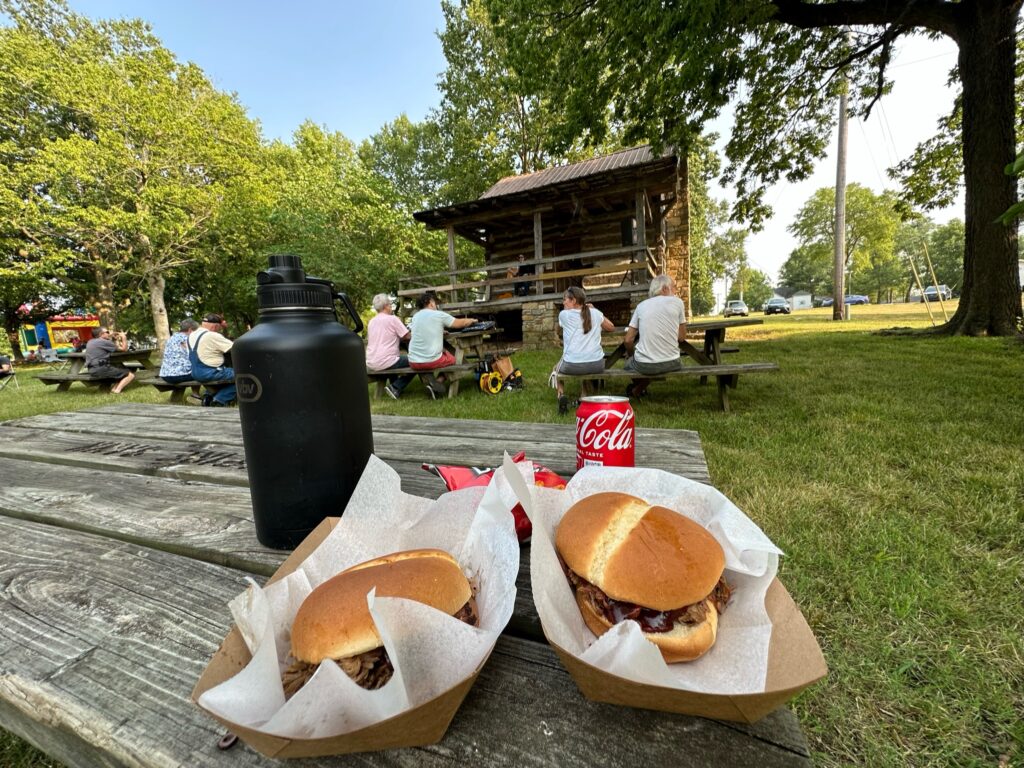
(101, 642)
(414, 439)
(199, 520)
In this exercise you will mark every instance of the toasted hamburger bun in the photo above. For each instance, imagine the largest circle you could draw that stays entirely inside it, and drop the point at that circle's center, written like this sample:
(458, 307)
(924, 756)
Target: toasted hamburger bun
(334, 620)
(646, 555)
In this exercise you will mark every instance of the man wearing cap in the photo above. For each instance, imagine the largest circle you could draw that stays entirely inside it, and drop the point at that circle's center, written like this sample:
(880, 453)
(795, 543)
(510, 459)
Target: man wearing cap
(206, 349)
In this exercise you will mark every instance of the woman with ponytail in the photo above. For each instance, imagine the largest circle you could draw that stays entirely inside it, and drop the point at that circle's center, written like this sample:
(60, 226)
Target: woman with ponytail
(581, 326)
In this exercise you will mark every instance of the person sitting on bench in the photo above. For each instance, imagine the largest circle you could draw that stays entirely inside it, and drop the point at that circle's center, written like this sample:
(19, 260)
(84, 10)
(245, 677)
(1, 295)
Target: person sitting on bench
(660, 323)
(384, 333)
(581, 326)
(206, 352)
(97, 359)
(175, 367)
(426, 347)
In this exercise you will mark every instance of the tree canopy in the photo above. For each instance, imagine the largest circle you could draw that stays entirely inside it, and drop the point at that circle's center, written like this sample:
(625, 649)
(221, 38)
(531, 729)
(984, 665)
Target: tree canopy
(662, 71)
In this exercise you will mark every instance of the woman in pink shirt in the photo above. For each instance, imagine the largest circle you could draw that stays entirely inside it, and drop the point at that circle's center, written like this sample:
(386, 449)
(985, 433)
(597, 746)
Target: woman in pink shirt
(383, 335)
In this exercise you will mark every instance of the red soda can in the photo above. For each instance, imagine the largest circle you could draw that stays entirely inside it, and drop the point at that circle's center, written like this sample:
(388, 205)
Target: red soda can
(604, 432)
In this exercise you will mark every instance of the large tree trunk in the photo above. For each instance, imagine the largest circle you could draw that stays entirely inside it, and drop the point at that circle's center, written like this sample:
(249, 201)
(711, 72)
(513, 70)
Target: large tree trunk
(990, 302)
(104, 294)
(155, 282)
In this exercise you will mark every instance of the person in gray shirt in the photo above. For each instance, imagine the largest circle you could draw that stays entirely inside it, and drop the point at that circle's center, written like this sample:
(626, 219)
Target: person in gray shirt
(97, 359)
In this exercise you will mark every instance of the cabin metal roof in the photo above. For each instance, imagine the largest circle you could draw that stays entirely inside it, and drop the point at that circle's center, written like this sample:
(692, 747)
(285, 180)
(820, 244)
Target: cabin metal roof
(626, 158)
(553, 183)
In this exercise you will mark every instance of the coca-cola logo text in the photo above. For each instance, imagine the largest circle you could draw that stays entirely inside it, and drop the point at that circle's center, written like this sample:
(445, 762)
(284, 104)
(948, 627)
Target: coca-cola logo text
(605, 429)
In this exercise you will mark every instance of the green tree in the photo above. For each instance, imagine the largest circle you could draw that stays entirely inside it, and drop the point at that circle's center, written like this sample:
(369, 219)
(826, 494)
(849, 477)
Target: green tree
(755, 287)
(809, 268)
(665, 70)
(493, 122)
(341, 218)
(946, 249)
(135, 187)
(406, 154)
(871, 226)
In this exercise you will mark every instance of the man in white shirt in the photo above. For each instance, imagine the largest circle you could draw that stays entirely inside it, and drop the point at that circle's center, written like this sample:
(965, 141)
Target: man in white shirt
(206, 349)
(660, 324)
(426, 347)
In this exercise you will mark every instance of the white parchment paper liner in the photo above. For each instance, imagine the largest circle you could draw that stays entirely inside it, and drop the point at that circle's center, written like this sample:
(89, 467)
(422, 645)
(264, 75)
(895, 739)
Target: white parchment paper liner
(737, 663)
(431, 651)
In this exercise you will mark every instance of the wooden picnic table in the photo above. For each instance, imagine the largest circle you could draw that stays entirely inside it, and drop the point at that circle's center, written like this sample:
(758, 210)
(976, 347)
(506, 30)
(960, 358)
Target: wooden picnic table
(126, 529)
(142, 356)
(714, 336)
(710, 353)
(472, 343)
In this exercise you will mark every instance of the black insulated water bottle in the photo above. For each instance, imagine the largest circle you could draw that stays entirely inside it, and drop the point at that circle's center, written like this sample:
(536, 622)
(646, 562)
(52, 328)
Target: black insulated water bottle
(304, 404)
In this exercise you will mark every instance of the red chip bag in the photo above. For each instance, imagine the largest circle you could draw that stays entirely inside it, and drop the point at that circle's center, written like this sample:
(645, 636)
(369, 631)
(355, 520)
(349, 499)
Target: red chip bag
(466, 477)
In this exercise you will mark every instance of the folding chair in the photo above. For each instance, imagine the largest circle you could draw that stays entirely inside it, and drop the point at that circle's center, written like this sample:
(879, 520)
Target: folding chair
(52, 359)
(5, 380)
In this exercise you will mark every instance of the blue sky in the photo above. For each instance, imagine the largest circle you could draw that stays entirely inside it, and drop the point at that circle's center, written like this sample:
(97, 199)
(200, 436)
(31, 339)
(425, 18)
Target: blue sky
(352, 66)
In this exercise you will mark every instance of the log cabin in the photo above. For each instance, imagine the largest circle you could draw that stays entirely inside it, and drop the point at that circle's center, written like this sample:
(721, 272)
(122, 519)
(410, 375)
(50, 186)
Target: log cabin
(608, 224)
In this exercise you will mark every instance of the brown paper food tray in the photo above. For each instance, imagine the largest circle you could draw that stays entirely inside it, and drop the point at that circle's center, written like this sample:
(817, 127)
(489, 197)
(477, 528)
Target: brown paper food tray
(426, 724)
(794, 662)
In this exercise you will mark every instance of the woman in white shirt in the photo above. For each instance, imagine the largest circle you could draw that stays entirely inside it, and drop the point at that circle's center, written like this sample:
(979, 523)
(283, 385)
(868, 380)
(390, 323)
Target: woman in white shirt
(581, 326)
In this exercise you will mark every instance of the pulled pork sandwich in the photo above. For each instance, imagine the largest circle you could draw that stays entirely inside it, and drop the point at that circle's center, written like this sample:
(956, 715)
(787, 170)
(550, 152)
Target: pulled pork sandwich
(334, 620)
(628, 560)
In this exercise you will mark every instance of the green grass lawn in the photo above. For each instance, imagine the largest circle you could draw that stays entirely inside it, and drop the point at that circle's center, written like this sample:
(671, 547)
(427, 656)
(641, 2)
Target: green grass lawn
(890, 469)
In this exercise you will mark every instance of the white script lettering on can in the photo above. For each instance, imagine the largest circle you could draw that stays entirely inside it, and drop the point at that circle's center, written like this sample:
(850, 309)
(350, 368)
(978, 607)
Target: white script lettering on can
(592, 432)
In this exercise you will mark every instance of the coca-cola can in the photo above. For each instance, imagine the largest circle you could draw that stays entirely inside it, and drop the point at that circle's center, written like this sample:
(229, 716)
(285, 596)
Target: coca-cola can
(604, 432)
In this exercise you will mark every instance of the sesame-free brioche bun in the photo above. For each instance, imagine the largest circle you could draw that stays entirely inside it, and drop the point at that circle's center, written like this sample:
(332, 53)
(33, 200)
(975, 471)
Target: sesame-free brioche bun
(334, 620)
(636, 553)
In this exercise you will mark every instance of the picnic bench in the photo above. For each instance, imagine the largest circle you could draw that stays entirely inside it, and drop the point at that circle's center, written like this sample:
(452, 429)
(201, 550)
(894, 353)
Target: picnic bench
(179, 389)
(126, 529)
(133, 360)
(63, 381)
(708, 359)
(465, 344)
(727, 375)
(453, 372)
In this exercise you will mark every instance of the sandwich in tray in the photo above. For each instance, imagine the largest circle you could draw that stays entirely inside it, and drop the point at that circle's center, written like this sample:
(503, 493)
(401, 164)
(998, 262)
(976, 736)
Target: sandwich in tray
(334, 621)
(384, 614)
(629, 561)
(636, 569)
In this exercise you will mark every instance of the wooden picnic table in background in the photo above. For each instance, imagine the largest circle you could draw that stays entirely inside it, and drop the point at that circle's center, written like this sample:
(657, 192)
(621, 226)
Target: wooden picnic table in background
(142, 356)
(126, 529)
(472, 343)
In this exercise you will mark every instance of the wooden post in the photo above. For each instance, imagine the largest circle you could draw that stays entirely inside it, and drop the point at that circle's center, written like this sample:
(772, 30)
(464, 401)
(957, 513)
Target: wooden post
(659, 242)
(917, 279)
(931, 271)
(641, 231)
(538, 250)
(839, 265)
(451, 258)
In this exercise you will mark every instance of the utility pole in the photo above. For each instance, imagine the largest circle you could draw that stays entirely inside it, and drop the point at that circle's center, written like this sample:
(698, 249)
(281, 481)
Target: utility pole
(839, 292)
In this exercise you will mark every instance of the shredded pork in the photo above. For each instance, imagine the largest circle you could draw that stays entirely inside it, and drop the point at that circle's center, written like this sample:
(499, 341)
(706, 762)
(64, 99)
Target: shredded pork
(648, 619)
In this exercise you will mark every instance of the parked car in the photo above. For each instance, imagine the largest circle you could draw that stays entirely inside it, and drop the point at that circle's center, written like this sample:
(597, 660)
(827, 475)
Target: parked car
(736, 308)
(777, 306)
(931, 293)
(853, 298)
